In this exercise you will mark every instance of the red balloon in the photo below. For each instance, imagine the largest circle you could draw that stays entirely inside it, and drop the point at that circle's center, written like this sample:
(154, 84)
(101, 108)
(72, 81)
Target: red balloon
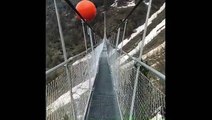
(87, 9)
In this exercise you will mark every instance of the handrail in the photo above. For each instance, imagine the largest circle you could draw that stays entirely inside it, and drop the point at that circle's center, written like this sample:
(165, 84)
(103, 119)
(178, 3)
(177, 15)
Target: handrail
(157, 73)
(65, 62)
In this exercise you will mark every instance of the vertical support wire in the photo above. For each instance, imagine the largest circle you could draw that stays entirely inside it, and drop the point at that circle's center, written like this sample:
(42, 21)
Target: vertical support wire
(125, 24)
(117, 38)
(105, 29)
(88, 69)
(65, 58)
(119, 65)
(140, 56)
(91, 72)
(116, 56)
(85, 40)
(93, 54)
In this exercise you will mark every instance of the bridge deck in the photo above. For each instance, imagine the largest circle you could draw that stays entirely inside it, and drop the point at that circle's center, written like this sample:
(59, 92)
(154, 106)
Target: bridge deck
(103, 104)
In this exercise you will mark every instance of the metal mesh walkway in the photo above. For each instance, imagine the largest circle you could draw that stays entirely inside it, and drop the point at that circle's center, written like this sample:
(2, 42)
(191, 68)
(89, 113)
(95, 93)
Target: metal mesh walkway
(103, 104)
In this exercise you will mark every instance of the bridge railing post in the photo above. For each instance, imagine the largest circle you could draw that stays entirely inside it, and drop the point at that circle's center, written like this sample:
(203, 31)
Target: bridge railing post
(105, 30)
(65, 58)
(93, 56)
(140, 56)
(116, 62)
(85, 40)
(125, 25)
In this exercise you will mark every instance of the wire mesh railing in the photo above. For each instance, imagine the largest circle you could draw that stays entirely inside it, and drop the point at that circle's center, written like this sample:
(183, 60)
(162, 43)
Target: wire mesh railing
(149, 100)
(58, 99)
(56, 106)
(138, 96)
(124, 88)
(69, 84)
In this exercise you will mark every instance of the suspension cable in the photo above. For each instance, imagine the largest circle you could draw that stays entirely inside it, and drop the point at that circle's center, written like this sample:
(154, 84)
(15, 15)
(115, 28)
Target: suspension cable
(123, 21)
(75, 10)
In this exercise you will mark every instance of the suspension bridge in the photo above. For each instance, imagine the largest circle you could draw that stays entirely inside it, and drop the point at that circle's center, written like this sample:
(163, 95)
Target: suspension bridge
(100, 83)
